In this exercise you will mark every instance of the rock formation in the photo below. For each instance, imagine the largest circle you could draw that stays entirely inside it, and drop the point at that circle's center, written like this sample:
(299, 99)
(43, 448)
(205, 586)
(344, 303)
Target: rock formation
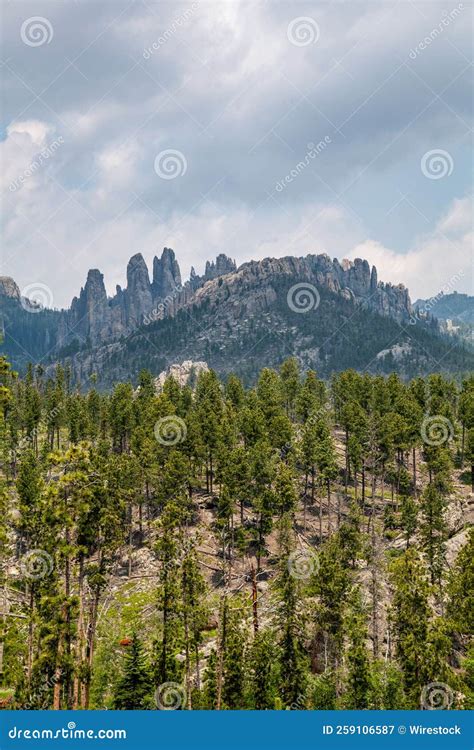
(185, 373)
(139, 298)
(9, 288)
(166, 275)
(225, 298)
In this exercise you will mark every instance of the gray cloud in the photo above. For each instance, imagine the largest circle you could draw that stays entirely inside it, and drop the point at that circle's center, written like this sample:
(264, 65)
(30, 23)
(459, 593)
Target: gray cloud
(222, 84)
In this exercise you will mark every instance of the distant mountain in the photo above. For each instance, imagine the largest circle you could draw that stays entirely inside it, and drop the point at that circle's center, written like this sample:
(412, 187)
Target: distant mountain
(454, 306)
(455, 311)
(330, 315)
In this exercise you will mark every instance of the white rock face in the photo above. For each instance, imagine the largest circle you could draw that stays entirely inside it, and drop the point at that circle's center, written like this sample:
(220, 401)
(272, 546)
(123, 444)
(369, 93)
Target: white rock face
(181, 373)
(398, 350)
(9, 288)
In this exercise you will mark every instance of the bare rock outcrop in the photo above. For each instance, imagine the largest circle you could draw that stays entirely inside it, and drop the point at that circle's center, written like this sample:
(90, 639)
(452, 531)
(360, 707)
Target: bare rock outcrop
(184, 373)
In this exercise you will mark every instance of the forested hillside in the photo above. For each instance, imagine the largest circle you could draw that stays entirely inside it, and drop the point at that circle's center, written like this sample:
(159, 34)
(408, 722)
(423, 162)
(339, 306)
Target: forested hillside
(302, 544)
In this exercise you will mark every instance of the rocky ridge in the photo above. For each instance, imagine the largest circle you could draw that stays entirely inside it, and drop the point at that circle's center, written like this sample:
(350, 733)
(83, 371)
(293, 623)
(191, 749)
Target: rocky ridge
(235, 319)
(94, 318)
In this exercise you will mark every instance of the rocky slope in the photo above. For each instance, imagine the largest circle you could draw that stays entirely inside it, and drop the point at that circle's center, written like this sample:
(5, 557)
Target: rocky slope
(93, 318)
(232, 318)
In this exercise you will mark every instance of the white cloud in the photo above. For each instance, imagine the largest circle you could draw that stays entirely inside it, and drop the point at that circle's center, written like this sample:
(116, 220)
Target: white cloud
(35, 130)
(434, 259)
(18, 154)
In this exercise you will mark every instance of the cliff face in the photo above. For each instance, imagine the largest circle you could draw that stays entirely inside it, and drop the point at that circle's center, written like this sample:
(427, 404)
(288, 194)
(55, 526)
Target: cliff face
(166, 275)
(139, 299)
(251, 287)
(89, 316)
(233, 296)
(8, 288)
(96, 319)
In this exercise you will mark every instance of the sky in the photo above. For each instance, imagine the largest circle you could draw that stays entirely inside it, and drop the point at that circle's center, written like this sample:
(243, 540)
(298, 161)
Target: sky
(257, 129)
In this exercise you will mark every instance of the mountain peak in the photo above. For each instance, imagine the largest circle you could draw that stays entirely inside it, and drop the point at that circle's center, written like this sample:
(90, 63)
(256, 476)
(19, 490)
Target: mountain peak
(166, 274)
(226, 311)
(9, 288)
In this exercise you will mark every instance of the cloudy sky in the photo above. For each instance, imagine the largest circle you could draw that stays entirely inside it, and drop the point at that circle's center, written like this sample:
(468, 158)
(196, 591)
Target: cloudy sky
(130, 126)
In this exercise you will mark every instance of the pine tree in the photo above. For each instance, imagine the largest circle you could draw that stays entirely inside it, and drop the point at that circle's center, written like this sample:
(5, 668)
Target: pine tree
(290, 626)
(195, 613)
(408, 517)
(359, 675)
(168, 644)
(84, 483)
(331, 586)
(421, 646)
(433, 530)
(460, 589)
(290, 380)
(234, 659)
(208, 696)
(133, 690)
(263, 671)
